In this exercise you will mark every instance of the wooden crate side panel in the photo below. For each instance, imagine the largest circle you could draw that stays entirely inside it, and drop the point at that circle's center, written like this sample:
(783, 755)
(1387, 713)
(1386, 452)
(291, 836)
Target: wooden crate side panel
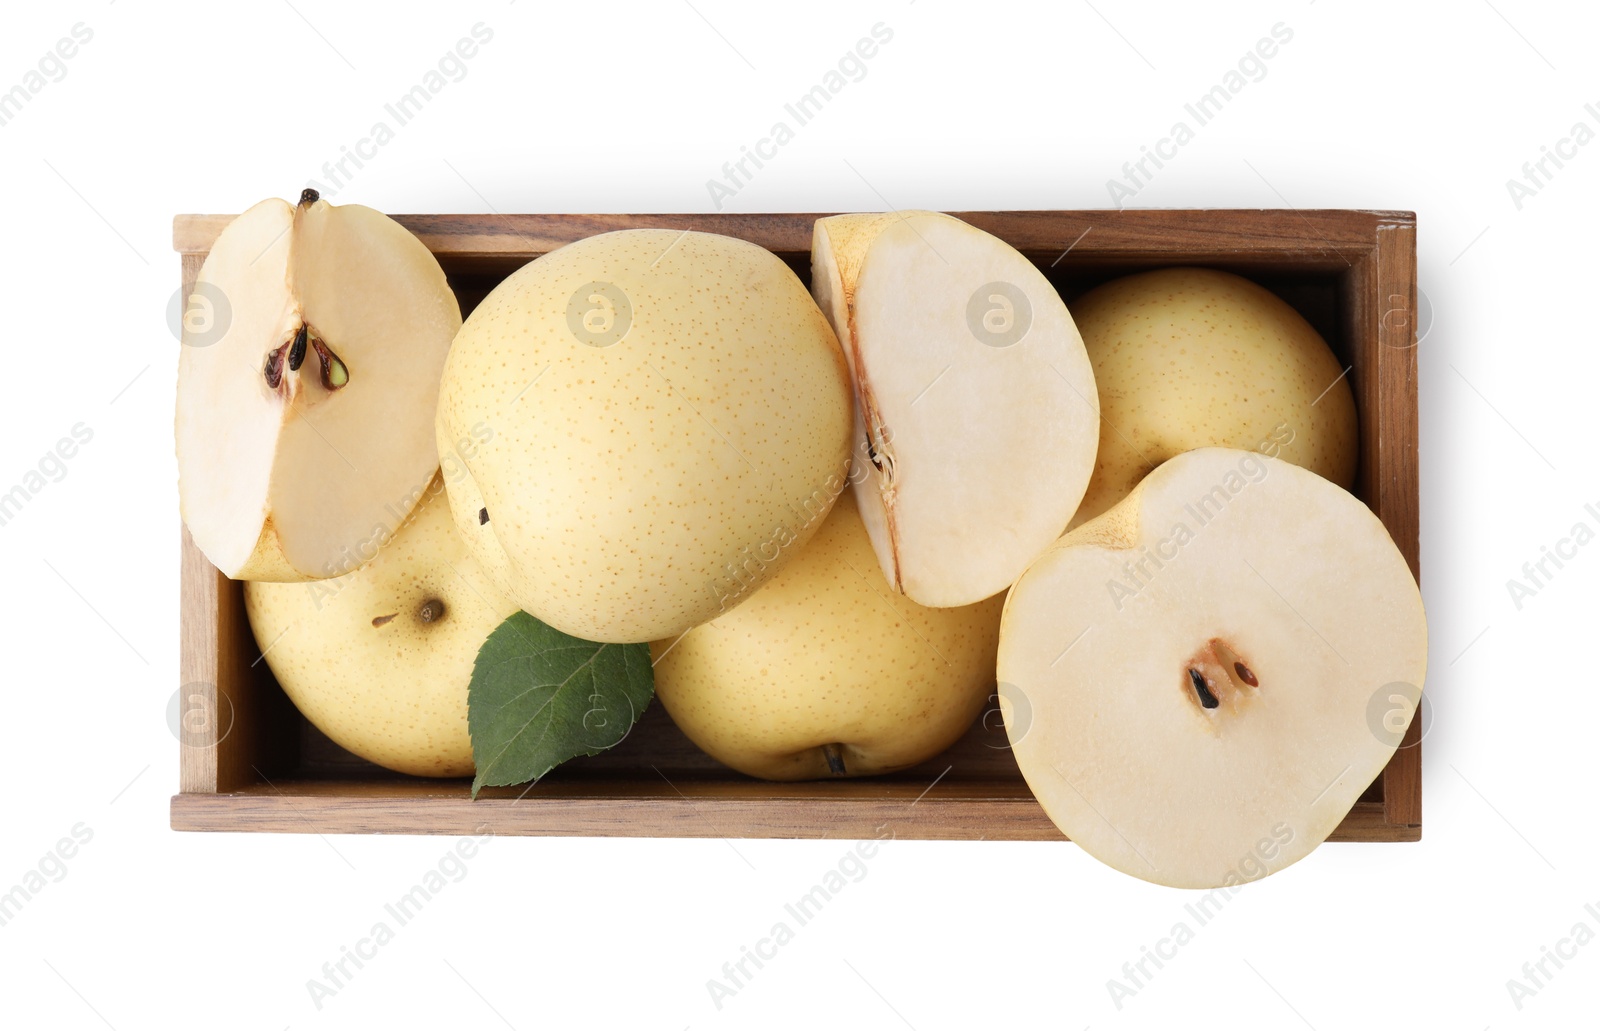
(1327, 238)
(1394, 485)
(685, 810)
(235, 721)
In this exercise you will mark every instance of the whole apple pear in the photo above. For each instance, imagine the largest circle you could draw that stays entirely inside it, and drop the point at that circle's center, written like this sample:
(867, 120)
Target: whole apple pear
(826, 671)
(380, 659)
(645, 423)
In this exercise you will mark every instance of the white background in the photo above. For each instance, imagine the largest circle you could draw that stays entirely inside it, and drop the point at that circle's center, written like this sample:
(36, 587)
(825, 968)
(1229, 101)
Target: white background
(205, 107)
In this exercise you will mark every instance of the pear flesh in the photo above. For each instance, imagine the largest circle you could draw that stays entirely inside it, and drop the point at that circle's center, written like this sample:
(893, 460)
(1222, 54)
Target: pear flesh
(380, 659)
(826, 673)
(305, 429)
(1200, 683)
(976, 420)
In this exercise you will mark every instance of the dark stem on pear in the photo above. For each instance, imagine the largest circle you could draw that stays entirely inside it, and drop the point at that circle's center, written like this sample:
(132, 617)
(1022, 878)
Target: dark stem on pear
(1207, 699)
(483, 516)
(432, 611)
(309, 197)
(835, 759)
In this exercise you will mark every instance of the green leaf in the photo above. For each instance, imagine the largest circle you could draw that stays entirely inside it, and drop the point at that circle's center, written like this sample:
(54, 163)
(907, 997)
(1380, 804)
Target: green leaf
(540, 697)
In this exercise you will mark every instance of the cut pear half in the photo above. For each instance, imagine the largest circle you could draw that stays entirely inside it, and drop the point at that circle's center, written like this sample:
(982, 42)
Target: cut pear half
(1213, 671)
(305, 424)
(975, 400)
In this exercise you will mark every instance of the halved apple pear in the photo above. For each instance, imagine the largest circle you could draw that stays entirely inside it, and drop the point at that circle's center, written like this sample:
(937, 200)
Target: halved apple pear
(1201, 666)
(305, 430)
(975, 400)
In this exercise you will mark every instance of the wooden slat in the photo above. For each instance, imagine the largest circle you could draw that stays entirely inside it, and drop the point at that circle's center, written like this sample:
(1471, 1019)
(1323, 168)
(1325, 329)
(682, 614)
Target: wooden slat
(1324, 238)
(1392, 488)
(630, 809)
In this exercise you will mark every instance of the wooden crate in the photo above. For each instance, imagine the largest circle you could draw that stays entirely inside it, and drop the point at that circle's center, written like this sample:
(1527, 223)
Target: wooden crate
(252, 763)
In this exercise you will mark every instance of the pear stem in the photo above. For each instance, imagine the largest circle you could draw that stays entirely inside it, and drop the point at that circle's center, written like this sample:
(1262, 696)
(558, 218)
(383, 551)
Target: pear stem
(835, 759)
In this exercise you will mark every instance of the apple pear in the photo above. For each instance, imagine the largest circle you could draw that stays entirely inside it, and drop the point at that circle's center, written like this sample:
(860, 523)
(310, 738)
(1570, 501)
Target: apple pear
(1188, 358)
(664, 421)
(305, 412)
(1211, 670)
(380, 659)
(826, 672)
(975, 402)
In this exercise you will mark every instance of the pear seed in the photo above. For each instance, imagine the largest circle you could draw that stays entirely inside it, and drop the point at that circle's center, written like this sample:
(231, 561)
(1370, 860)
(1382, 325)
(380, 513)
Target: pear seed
(273, 369)
(1207, 699)
(334, 372)
(297, 352)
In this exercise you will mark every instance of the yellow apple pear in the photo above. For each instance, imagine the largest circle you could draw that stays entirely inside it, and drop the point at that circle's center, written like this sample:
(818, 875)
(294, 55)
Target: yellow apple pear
(380, 659)
(1200, 683)
(1192, 357)
(667, 418)
(827, 672)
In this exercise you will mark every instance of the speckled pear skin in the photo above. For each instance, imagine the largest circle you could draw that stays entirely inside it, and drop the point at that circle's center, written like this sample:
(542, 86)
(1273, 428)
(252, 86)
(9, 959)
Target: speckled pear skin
(380, 659)
(1188, 358)
(827, 655)
(668, 419)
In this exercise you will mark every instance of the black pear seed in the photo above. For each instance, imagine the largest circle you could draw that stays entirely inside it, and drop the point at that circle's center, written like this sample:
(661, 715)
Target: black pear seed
(297, 352)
